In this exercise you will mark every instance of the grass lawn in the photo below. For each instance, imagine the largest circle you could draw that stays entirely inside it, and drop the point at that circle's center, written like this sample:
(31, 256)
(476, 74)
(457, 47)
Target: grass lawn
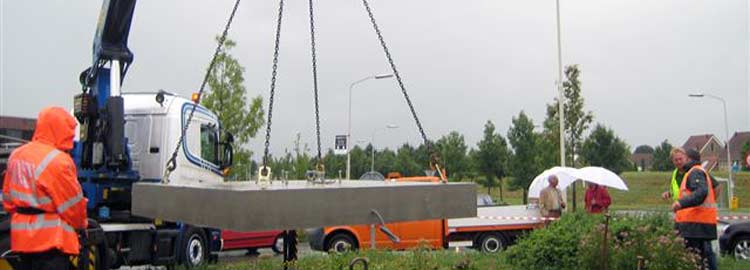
(413, 259)
(644, 194)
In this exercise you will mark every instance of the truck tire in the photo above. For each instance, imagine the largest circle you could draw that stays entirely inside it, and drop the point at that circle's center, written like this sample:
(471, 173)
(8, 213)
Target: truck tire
(194, 248)
(278, 244)
(341, 242)
(491, 242)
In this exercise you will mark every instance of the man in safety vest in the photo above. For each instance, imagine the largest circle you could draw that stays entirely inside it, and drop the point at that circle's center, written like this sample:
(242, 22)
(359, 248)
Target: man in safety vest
(679, 158)
(42, 195)
(696, 212)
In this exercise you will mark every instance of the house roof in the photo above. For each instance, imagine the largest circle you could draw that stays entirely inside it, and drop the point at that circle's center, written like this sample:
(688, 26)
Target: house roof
(698, 142)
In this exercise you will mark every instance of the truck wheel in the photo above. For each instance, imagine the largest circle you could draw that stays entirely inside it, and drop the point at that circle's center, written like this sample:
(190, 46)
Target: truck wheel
(491, 243)
(194, 249)
(278, 244)
(741, 248)
(341, 243)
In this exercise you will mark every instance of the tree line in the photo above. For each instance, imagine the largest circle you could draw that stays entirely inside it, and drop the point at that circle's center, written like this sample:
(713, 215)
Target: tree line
(517, 156)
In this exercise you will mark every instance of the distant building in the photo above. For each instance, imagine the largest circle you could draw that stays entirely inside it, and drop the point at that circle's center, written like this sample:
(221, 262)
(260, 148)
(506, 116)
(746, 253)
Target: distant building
(643, 157)
(13, 127)
(16, 127)
(710, 149)
(738, 140)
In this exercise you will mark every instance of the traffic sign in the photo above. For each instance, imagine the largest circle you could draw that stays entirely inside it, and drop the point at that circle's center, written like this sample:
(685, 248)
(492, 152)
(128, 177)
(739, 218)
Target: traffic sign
(340, 145)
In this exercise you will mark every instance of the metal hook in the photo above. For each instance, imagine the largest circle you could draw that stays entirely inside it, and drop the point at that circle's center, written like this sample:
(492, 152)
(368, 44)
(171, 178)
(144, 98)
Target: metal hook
(361, 260)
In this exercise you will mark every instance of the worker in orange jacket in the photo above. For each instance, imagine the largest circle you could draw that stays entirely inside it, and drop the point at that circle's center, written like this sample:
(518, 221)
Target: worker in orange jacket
(42, 195)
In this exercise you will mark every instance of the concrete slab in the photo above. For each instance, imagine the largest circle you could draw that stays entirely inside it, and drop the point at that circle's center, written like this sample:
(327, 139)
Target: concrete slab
(245, 206)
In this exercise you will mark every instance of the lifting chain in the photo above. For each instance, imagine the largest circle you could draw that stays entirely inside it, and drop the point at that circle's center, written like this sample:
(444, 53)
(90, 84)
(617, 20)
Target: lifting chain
(172, 163)
(265, 171)
(319, 166)
(434, 157)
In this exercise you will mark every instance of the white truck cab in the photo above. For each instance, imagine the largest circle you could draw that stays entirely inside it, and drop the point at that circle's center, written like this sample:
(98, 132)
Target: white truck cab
(153, 124)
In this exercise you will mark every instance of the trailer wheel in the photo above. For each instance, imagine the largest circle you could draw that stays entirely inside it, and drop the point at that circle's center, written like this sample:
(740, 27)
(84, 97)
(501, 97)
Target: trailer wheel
(278, 244)
(194, 249)
(491, 243)
(341, 242)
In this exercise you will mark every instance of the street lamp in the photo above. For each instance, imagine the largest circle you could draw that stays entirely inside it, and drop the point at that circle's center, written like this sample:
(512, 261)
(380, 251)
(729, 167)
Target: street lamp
(349, 129)
(730, 192)
(372, 143)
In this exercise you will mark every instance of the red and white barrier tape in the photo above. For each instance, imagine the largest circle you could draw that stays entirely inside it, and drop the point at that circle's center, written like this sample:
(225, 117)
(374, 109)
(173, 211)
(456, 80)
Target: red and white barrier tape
(553, 219)
(518, 218)
(733, 218)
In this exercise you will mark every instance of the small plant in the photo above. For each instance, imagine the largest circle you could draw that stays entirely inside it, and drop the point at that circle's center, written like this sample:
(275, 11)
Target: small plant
(576, 242)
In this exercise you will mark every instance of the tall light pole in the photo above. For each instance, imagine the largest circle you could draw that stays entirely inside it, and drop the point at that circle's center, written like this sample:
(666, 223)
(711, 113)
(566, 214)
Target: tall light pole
(372, 144)
(560, 96)
(349, 129)
(730, 192)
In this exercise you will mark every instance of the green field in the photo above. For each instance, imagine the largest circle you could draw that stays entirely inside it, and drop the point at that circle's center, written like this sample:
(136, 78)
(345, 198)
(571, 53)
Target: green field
(644, 194)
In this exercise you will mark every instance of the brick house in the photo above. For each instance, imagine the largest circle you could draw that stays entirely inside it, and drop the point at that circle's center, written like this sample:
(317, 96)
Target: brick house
(643, 157)
(738, 140)
(710, 148)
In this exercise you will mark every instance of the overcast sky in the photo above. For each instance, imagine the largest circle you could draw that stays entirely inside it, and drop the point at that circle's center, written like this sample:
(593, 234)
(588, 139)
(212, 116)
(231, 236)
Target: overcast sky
(463, 62)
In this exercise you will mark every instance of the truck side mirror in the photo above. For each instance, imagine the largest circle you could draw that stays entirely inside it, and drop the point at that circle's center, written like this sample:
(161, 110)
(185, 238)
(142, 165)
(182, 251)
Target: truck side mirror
(228, 151)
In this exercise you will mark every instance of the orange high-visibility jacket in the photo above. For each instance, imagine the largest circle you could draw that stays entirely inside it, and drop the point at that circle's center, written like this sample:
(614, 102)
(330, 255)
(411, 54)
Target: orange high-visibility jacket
(41, 177)
(706, 212)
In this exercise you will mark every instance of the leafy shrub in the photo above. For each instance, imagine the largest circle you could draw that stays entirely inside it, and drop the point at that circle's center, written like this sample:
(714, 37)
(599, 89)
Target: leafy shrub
(575, 242)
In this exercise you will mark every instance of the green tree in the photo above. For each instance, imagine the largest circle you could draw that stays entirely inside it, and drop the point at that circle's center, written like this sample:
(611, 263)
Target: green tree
(406, 162)
(385, 161)
(453, 149)
(491, 158)
(604, 149)
(662, 160)
(577, 120)
(335, 164)
(227, 98)
(360, 161)
(525, 163)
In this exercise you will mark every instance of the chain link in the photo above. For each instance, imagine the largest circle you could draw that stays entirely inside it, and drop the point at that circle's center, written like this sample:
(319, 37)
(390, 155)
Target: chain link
(273, 83)
(427, 142)
(315, 80)
(172, 163)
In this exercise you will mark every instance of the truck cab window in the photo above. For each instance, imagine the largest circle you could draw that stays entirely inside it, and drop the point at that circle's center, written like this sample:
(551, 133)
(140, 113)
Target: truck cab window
(209, 144)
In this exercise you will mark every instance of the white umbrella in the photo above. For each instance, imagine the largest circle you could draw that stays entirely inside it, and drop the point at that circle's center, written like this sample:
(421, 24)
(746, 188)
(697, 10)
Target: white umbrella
(565, 176)
(601, 176)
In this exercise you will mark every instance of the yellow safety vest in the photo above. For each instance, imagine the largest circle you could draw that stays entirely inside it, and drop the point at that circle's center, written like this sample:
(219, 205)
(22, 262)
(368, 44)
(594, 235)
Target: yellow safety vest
(675, 186)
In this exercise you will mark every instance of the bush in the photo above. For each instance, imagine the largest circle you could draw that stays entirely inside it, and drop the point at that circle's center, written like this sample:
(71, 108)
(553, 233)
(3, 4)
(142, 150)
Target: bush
(575, 242)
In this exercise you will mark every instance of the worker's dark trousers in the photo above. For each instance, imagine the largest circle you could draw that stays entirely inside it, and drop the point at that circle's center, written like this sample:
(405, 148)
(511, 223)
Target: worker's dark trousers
(48, 260)
(703, 248)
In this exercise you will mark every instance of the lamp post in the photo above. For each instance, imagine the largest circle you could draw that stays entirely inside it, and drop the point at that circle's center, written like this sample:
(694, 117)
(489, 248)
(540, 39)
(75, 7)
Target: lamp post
(349, 129)
(372, 152)
(730, 191)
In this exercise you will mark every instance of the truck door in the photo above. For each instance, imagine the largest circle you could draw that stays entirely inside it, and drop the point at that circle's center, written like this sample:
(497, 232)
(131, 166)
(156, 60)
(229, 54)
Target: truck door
(414, 233)
(201, 147)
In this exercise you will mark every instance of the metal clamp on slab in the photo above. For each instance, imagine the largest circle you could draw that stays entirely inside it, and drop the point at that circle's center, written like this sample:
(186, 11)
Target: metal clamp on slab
(264, 177)
(379, 218)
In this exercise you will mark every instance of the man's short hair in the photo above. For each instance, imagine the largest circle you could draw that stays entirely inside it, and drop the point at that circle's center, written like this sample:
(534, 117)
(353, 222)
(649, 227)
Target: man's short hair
(677, 150)
(694, 154)
(552, 176)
